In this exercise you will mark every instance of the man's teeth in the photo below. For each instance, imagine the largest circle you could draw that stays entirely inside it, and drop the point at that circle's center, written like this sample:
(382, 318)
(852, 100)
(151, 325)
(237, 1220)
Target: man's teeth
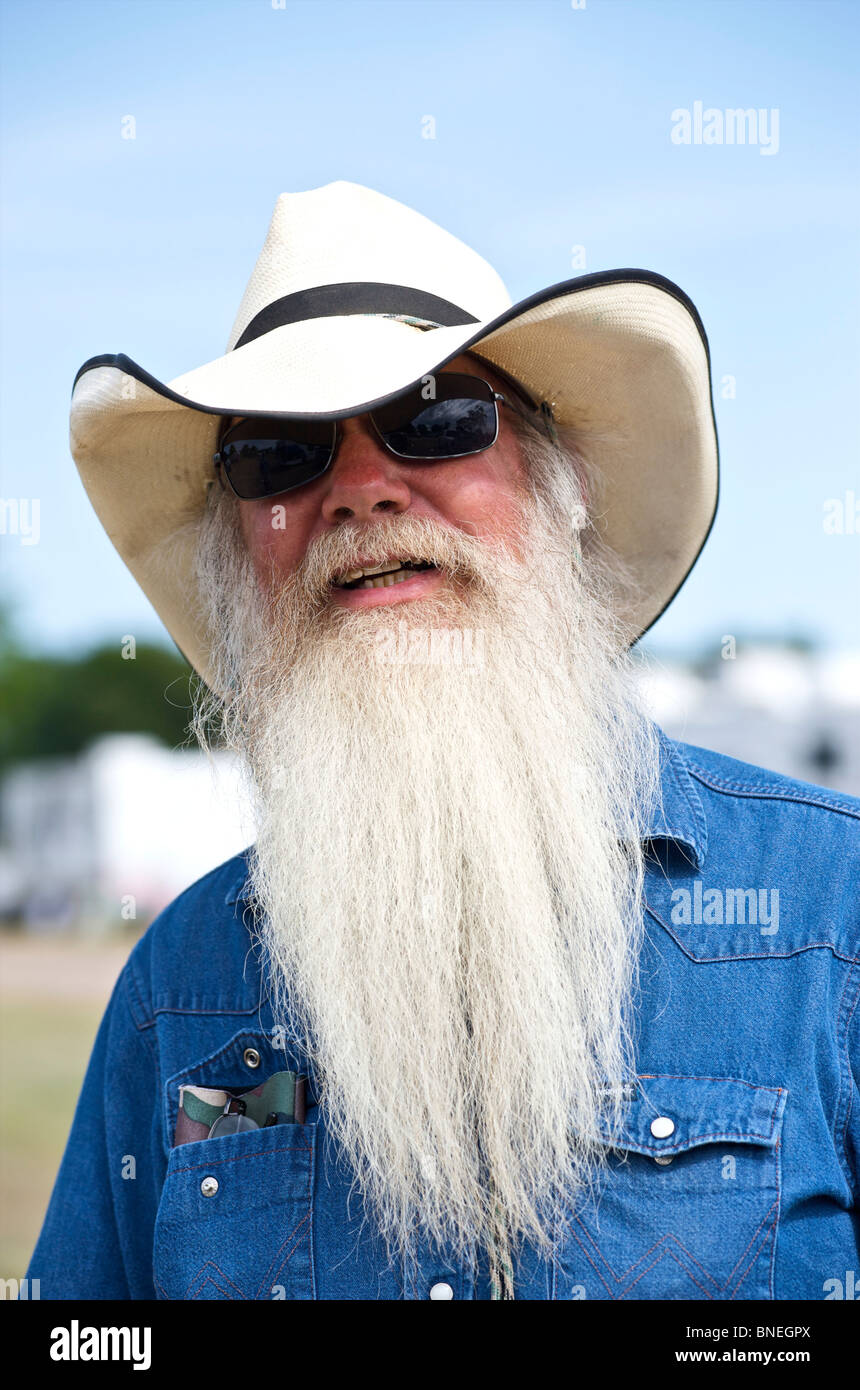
(386, 580)
(375, 579)
(368, 569)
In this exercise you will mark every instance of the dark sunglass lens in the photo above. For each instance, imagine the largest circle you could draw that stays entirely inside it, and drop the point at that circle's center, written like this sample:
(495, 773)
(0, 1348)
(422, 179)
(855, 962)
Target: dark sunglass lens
(445, 429)
(263, 467)
(459, 418)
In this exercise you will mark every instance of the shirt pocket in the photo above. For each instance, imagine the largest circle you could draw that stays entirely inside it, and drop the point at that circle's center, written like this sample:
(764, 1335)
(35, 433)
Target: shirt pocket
(235, 1217)
(689, 1205)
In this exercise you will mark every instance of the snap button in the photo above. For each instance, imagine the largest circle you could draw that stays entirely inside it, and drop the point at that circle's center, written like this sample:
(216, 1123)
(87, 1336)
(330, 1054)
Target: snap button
(664, 1159)
(251, 1057)
(441, 1291)
(209, 1187)
(662, 1127)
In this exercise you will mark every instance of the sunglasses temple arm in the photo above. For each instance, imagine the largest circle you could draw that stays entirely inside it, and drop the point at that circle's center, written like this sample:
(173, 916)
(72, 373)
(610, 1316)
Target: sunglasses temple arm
(546, 415)
(549, 421)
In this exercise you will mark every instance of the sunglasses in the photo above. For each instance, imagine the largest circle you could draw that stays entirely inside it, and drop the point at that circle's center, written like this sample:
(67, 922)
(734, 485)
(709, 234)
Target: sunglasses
(263, 457)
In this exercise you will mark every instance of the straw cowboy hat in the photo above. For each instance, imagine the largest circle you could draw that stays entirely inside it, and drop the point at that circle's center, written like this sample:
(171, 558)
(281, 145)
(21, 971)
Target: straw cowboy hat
(353, 300)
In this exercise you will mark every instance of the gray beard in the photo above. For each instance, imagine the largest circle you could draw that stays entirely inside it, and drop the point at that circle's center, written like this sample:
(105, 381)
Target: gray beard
(448, 866)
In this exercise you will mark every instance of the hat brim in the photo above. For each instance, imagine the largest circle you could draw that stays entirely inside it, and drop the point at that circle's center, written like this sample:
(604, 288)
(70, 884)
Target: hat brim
(622, 355)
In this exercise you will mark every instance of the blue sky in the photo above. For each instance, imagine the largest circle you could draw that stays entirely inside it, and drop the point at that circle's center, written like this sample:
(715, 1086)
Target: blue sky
(553, 129)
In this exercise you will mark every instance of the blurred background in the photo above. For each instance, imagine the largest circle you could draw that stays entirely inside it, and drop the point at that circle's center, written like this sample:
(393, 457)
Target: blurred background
(143, 148)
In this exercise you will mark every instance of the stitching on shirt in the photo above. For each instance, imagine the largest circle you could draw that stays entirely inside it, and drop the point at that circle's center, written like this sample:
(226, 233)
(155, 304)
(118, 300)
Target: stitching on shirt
(744, 1252)
(144, 1014)
(210, 1280)
(668, 1251)
(772, 1269)
(136, 996)
(671, 832)
(699, 1076)
(150, 1041)
(779, 1091)
(839, 952)
(713, 1137)
(768, 1235)
(663, 1240)
(845, 1078)
(210, 1013)
(270, 1278)
(210, 1264)
(671, 1240)
(311, 1176)
(669, 1245)
(572, 1232)
(125, 984)
(668, 1237)
(662, 1247)
(239, 1158)
(769, 791)
(699, 842)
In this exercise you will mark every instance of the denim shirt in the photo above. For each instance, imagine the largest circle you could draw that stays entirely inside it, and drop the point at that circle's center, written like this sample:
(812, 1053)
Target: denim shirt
(736, 1176)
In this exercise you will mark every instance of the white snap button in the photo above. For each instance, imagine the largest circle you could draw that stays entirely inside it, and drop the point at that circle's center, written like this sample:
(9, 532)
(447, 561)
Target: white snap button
(662, 1127)
(251, 1057)
(441, 1291)
(664, 1159)
(209, 1187)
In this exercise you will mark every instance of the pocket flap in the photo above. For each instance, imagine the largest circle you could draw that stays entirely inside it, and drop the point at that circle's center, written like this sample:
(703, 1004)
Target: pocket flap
(671, 1114)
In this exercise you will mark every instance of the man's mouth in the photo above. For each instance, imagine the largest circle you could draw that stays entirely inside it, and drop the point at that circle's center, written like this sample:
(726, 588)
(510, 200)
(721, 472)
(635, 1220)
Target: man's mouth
(381, 576)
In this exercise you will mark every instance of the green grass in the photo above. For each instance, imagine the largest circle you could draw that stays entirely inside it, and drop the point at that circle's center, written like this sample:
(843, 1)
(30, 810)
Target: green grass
(44, 1050)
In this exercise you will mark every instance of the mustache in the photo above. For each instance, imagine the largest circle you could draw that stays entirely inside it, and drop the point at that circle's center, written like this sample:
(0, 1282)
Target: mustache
(469, 562)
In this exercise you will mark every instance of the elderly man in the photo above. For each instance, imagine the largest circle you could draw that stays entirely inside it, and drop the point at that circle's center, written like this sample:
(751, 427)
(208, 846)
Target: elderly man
(513, 997)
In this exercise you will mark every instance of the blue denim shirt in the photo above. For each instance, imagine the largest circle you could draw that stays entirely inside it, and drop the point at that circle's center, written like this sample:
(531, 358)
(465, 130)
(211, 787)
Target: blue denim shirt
(737, 1175)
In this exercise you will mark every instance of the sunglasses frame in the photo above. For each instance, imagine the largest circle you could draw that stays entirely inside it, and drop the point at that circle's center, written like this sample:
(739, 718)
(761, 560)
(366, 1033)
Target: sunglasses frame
(495, 398)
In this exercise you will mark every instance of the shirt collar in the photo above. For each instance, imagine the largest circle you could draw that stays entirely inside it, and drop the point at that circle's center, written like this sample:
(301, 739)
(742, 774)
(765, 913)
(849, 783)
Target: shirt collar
(677, 816)
(240, 885)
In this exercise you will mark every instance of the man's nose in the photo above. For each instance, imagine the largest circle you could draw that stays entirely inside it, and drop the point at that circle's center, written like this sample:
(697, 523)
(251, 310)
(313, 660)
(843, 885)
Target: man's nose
(364, 480)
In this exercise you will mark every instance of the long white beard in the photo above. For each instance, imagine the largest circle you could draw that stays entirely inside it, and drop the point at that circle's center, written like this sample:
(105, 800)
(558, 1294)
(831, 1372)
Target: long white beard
(448, 863)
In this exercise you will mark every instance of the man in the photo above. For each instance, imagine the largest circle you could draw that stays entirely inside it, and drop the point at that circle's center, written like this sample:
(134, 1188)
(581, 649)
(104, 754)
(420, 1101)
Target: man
(513, 997)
